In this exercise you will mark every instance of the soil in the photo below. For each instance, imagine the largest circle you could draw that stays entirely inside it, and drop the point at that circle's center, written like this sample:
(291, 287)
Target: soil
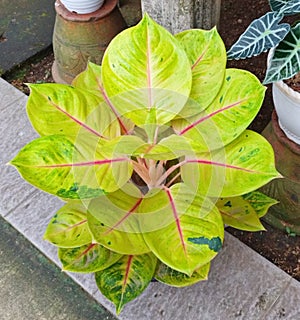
(281, 248)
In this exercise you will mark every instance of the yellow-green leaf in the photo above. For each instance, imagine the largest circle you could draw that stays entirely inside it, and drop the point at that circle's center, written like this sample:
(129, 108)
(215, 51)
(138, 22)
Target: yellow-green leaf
(126, 279)
(113, 221)
(239, 214)
(69, 228)
(244, 165)
(232, 110)
(146, 73)
(174, 278)
(259, 202)
(62, 109)
(74, 171)
(207, 54)
(87, 259)
(184, 230)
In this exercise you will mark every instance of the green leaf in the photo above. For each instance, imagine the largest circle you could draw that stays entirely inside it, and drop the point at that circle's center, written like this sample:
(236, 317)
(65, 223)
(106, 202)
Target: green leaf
(126, 279)
(262, 34)
(234, 108)
(90, 80)
(207, 55)
(259, 202)
(63, 109)
(68, 228)
(242, 166)
(87, 259)
(285, 62)
(55, 165)
(184, 230)
(146, 74)
(174, 278)
(239, 214)
(112, 221)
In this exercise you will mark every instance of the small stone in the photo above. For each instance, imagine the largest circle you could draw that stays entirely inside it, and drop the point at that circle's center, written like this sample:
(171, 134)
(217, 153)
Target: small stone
(240, 21)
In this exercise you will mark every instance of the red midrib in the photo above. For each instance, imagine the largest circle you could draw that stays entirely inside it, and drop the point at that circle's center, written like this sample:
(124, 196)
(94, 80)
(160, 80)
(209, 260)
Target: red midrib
(225, 165)
(72, 227)
(126, 276)
(113, 109)
(136, 205)
(199, 58)
(90, 247)
(194, 124)
(176, 216)
(149, 80)
(84, 164)
(76, 120)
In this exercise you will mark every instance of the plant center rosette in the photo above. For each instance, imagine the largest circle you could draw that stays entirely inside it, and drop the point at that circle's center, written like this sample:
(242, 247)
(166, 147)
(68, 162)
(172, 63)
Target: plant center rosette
(151, 153)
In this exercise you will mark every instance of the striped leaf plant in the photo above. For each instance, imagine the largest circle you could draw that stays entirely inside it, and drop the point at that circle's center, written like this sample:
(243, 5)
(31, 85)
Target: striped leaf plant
(152, 155)
(269, 32)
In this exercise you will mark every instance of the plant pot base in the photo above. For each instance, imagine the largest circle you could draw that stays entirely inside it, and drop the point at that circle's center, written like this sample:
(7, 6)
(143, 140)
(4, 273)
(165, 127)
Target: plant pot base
(286, 214)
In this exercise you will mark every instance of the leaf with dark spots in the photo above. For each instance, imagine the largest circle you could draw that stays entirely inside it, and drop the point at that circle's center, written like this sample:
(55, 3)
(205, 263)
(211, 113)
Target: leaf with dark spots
(214, 244)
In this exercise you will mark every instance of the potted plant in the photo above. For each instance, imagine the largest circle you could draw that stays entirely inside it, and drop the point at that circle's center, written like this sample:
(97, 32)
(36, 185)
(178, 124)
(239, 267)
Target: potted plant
(283, 132)
(151, 154)
(267, 33)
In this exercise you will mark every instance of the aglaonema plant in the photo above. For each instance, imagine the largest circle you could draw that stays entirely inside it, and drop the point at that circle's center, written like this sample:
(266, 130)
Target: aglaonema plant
(151, 153)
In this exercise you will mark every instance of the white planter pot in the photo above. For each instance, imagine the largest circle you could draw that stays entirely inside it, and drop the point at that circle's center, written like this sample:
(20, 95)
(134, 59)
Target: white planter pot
(287, 106)
(82, 6)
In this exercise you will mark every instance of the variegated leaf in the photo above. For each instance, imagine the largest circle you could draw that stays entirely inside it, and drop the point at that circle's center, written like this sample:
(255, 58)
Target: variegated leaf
(233, 109)
(208, 63)
(183, 229)
(69, 228)
(113, 223)
(126, 279)
(146, 74)
(238, 213)
(285, 62)
(73, 171)
(87, 259)
(262, 34)
(63, 109)
(90, 80)
(259, 202)
(244, 165)
(287, 7)
(178, 279)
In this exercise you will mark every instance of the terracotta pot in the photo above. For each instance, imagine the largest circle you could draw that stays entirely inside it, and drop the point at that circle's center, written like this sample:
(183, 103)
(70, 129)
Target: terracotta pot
(286, 214)
(79, 38)
(82, 6)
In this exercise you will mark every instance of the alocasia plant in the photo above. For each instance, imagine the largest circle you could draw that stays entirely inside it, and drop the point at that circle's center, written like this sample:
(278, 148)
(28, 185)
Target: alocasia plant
(151, 153)
(268, 32)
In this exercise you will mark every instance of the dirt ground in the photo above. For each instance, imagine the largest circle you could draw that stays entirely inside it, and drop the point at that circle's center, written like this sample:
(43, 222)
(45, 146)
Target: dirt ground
(281, 248)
